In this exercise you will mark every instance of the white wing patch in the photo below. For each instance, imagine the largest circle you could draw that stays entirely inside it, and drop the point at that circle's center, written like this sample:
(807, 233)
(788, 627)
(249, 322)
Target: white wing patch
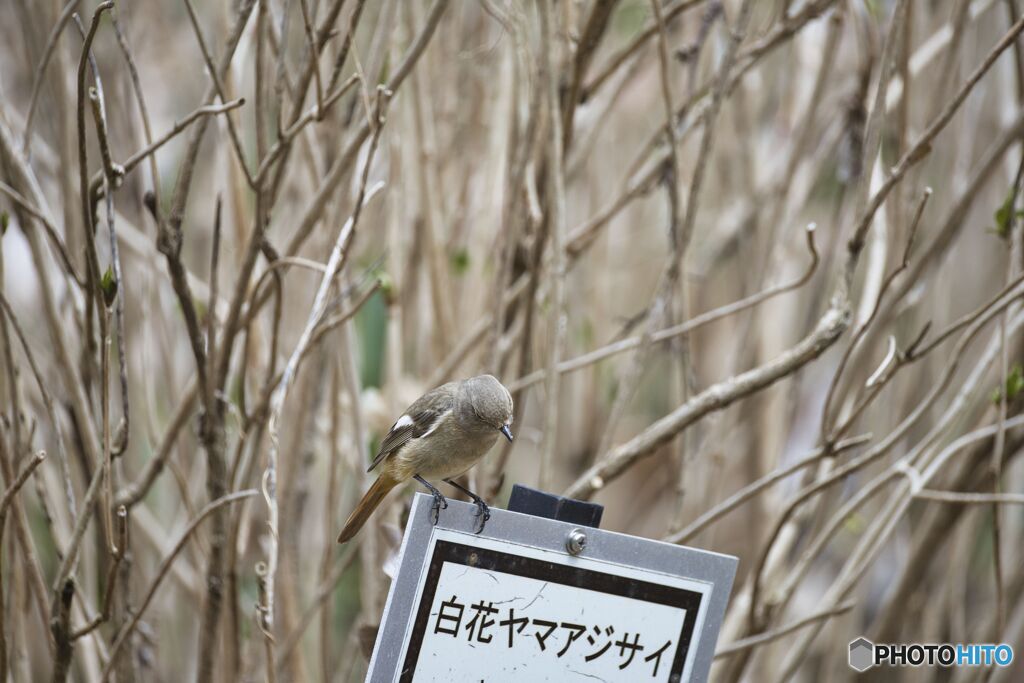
(404, 421)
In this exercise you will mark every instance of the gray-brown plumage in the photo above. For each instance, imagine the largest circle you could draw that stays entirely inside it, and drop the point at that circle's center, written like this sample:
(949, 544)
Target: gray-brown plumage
(439, 437)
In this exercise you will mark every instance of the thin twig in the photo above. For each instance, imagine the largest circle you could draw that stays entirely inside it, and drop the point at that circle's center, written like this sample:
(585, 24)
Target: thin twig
(324, 590)
(51, 413)
(555, 211)
(161, 572)
(339, 255)
(685, 327)
(113, 175)
(49, 227)
(37, 78)
(118, 554)
(211, 307)
(752, 489)
(92, 273)
(8, 498)
(858, 336)
(775, 634)
(669, 12)
(140, 101)
(152, 147)
(132, 494)
(15, 486)
(216, 78)
(971, 498)
(715, 397)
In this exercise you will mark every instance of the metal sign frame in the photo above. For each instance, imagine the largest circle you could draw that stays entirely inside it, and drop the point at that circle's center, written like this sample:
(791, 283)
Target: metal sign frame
(425, 547)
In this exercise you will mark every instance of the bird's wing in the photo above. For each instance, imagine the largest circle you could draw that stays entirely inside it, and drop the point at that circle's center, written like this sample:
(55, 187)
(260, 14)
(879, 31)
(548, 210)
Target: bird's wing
(417, 421)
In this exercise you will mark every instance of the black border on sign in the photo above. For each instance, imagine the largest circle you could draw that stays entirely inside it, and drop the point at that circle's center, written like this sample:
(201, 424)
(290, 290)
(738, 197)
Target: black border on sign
(553, 572)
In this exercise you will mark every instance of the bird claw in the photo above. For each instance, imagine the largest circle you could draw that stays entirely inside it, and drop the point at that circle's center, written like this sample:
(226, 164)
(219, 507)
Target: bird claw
(483, 514)
(440, 503)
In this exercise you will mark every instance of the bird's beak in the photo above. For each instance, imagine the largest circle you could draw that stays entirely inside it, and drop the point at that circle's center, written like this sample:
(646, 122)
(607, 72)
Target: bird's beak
(507, 432)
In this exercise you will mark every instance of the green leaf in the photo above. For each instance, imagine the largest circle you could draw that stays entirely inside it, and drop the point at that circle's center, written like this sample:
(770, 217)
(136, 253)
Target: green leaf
(1014, 385)
(1014, 382)
(460, 261)
(387, 284)
(108, 286)
(371, 323)
(1004, 216)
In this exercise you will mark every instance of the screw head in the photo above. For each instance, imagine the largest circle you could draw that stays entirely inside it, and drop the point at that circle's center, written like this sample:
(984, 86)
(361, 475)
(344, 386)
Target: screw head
(576, 541)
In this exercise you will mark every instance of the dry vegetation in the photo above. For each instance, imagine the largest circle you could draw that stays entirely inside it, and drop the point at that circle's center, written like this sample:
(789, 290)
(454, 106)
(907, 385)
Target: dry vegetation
(241, 237)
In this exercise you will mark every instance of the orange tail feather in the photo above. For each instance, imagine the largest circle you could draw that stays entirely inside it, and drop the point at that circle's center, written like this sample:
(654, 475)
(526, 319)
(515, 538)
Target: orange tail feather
(366, 507)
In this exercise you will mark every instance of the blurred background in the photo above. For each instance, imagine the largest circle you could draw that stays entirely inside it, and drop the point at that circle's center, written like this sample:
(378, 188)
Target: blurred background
(751, 269)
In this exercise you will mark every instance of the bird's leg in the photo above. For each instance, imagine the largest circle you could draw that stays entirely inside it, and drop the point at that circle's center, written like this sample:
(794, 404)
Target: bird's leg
(482, 511)
(440, 502)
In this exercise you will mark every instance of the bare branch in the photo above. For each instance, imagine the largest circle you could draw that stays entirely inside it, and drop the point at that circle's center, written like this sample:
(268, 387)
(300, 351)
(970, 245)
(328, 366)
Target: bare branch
(161, 572)
(556, 218)
(971, 498)
(178, 127)
(775, 634)
(686, 327)
(51, 413)
(715, 397)
(15, 486)
(37, 79)
(339, 254)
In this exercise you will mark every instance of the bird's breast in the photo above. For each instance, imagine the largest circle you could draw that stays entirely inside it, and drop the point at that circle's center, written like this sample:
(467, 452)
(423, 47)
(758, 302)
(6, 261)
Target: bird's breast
(448, 451)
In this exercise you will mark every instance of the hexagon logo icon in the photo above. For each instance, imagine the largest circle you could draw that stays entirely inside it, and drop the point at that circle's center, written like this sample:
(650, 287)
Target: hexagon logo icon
(862, 654)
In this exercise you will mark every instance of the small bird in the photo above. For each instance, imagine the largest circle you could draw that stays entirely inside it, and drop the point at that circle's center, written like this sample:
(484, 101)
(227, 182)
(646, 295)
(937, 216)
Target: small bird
(440, 436)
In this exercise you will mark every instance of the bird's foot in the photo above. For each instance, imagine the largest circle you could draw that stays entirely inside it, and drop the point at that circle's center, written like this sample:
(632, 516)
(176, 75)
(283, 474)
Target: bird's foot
(440, 502)
(483, 514)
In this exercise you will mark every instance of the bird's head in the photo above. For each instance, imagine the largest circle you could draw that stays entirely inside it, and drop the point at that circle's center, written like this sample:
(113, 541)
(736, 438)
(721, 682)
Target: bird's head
(491, 402)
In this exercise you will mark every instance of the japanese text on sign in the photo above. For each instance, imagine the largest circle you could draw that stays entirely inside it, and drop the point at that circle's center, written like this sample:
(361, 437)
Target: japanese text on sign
(495, 617)
(478, 627)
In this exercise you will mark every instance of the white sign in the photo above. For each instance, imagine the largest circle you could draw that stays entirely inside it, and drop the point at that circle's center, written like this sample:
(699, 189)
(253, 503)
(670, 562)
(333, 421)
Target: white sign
(539, 616)
(512, 604)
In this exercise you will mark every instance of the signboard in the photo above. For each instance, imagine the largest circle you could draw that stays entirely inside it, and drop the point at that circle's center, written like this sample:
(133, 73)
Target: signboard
(534, 599)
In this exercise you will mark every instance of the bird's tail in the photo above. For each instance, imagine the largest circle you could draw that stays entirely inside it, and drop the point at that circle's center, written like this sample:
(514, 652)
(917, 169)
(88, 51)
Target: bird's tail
(366, 507)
